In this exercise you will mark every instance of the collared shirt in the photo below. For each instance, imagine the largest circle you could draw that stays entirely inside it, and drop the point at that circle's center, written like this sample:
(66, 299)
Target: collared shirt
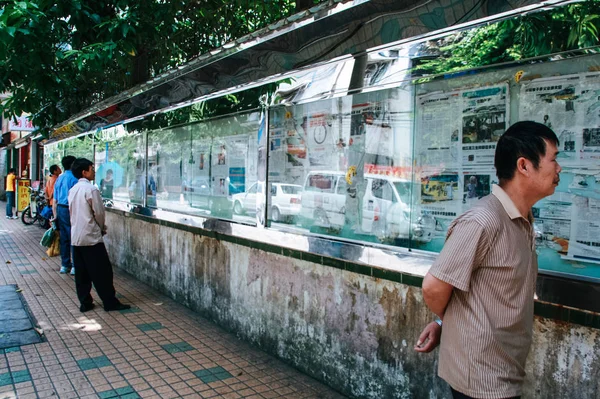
(10, 182)
(87, 214)
(62, 186)
(490, 259)
(49, 190)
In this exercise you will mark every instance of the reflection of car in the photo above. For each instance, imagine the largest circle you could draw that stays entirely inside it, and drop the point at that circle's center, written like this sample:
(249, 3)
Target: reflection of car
(385, 209)
(199, 194)
(285, 201)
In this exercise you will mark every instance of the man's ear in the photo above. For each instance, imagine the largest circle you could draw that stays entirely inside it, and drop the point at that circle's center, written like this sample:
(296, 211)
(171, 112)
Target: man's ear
(523, 166)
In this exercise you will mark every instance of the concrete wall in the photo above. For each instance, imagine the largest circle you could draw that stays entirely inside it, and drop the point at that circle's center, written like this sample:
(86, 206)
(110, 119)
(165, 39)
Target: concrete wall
(354, 332)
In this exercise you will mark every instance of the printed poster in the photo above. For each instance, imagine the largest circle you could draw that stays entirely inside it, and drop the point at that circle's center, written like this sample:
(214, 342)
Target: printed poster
(457, 133)
(567, 222)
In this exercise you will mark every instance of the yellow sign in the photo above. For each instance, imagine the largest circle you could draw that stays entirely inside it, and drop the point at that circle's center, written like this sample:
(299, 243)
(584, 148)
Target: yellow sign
(23, 194)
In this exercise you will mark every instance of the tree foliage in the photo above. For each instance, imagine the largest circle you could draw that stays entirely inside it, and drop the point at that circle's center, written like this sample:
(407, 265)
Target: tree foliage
(57, 58)
(570, 27)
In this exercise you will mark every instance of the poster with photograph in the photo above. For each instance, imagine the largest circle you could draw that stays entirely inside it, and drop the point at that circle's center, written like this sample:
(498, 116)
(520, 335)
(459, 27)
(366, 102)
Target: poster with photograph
(484, 120)
(439, 130)
(457, 133)
(584, 242)
(591, 144)
(476, 185)
(441, 196)
(555, 103)
(566, 222)
(237, 149)
(460, 129)
(219, 168)
(202, 157)
(439, 188)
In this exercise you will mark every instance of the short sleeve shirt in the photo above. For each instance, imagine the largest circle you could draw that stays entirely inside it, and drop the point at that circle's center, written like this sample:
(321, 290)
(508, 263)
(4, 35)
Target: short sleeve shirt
(489, 257)
(10, 183)
(63, 184)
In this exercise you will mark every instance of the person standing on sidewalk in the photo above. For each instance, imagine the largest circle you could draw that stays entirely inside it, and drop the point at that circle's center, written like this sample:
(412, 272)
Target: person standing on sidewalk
(10, 193)
(60, 209)
(49, 190)
(90, 258)
(483, 283)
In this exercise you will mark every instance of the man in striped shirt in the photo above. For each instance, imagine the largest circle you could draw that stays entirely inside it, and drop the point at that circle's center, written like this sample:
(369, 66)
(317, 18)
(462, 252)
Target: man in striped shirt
(482, 284)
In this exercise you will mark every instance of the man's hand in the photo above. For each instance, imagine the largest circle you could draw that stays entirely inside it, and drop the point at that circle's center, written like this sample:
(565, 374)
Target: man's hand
(429, 338)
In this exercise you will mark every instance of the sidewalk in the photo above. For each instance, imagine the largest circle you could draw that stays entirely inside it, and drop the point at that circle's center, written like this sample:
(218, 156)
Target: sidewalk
(158, 349)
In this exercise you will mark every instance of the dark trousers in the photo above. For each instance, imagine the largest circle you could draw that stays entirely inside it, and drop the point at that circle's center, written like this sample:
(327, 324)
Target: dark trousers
(64, 231)
(10, 202)
(458, 395)
(92, 266)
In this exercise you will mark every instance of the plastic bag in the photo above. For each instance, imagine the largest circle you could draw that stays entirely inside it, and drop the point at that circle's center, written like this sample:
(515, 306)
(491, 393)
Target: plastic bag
(47, 212)
(48, 237)
(54, 249)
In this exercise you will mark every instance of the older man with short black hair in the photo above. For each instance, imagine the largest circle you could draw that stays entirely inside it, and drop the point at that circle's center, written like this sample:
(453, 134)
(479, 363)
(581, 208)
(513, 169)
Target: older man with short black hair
(482, 284)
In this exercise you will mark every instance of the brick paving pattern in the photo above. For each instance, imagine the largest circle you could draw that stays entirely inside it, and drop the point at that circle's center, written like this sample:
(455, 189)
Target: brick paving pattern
(159, 349)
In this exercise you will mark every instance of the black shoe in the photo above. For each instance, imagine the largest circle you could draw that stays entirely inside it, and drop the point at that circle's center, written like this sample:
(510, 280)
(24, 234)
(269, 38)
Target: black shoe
(118, 306)
(86, 308)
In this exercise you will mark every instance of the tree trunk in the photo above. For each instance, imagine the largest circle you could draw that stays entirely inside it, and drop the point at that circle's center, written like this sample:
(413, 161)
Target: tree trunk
(141, 69)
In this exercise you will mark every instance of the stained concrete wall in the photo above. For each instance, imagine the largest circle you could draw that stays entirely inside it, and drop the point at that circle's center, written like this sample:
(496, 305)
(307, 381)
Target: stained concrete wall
(354, 332)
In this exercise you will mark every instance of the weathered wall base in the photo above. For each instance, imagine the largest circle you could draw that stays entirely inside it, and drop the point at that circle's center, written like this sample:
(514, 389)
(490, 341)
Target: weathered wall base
(353, 332)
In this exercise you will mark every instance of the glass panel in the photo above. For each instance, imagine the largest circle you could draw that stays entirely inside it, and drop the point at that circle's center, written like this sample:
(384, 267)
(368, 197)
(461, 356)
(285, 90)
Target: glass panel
(458, 124)
(338, 164)
(204, 168)
(395, 164)
(120, 165)
(170, 169)
(53, 153)
(79, 147)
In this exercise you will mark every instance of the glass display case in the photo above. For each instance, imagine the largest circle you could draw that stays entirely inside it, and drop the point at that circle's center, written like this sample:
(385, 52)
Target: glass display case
(386, 148)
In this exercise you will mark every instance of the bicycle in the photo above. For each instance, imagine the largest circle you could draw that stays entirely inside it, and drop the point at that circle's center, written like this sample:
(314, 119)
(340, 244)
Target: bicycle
(33, 212)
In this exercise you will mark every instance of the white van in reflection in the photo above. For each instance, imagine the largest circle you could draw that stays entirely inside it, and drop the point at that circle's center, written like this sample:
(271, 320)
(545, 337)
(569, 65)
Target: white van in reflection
(285, 201)
(385, 205)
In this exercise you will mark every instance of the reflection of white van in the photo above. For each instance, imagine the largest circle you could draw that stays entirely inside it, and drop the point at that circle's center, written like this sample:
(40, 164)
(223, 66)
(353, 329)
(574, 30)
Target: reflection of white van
(385, 205)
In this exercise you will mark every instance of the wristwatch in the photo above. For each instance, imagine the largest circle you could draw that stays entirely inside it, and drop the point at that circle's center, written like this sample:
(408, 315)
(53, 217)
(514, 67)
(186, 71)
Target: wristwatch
(438, 321)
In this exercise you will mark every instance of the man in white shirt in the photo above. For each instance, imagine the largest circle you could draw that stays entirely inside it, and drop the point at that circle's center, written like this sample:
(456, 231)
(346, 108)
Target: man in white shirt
(90, 258)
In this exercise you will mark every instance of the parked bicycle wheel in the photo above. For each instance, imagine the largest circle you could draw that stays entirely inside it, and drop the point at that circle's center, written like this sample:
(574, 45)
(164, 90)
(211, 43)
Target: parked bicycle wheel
(26, 216)
(44, 223)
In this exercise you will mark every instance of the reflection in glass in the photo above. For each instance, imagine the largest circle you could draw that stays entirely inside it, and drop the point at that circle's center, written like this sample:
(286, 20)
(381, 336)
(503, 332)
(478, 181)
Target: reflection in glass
(205, 168)
(342, 167)
(394, 165)
(120, 171)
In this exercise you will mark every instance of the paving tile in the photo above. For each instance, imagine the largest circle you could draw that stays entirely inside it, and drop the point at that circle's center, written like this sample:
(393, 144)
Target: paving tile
(150, 326)
(5, 379)
(94, 363)
(167, 349)
(131, 310)
(178, 347)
